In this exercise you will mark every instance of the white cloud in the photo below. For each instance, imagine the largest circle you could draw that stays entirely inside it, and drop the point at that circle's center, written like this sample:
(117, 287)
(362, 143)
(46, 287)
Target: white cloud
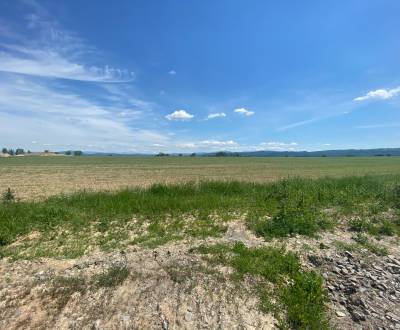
(277, 146)
(216, 143)
(32, 110)
(37, 111)
(379, 94)
(51, 63)
(172, 72)
(244, 112)
(188, 145)
(207, 145)
(179, 115)
(299, 123)
(53, 52)
(216, 115)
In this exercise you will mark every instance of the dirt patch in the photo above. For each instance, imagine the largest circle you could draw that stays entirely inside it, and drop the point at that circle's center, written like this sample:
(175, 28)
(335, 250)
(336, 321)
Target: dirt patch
(174, 287)
(167, 288)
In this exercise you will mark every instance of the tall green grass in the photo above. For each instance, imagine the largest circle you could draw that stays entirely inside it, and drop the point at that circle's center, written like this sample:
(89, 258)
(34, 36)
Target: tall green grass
(297, 206)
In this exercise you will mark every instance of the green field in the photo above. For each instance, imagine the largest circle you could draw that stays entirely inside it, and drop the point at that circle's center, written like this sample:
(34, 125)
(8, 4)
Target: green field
(35, 177)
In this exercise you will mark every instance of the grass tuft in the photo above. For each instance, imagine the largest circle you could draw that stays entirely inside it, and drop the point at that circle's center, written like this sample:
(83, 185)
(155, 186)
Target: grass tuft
(113, 277)
(300, 293)
(64, 287)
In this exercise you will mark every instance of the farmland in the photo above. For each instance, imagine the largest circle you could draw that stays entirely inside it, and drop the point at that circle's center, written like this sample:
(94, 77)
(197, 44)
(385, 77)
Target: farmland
(36, 177)
(179, 242)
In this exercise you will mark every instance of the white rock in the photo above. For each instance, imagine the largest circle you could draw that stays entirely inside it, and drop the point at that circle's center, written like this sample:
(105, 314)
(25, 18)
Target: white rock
(340, 314)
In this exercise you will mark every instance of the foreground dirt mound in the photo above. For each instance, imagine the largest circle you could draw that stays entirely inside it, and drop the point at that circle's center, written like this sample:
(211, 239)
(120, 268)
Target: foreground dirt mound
(167, 288)
(174, 287)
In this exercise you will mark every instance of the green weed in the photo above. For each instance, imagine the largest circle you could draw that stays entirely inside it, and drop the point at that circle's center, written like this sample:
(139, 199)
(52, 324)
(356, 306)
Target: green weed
(113, 277)
(299, 292)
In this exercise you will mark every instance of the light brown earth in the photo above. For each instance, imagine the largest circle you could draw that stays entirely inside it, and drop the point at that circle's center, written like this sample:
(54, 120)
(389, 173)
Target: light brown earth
(37, 177)
(174, 287)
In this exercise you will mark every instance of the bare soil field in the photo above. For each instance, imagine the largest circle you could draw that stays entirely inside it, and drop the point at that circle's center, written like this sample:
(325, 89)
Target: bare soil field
(38, 177)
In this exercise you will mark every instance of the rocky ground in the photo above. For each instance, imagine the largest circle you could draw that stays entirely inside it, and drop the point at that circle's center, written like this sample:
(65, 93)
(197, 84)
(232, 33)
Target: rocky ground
(173, 287)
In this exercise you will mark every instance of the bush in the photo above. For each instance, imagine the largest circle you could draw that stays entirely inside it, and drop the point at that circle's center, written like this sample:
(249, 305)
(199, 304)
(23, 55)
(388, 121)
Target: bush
(8, 196)
(292, 219)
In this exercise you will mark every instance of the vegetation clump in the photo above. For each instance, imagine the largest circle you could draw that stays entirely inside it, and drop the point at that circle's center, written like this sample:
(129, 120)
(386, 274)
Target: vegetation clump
(63, 288)
(300, 293)
(8, 196)
(113, 277)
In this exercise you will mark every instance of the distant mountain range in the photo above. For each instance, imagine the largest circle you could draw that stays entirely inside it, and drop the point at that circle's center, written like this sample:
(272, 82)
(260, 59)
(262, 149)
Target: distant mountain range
(321, 153)
(266, 153)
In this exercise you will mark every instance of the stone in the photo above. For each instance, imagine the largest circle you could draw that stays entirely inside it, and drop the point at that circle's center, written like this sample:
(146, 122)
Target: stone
(356, 316)
(165, 324)
(348, 254)
(392, 316)
(340, 314)
(188, 316)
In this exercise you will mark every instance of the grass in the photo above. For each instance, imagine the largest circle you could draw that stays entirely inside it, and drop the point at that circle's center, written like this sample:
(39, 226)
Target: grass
(113, 277)
(376, 225)
(62, 287)
(72, 224)
(300, 293)
(37, 177)
(361, 241)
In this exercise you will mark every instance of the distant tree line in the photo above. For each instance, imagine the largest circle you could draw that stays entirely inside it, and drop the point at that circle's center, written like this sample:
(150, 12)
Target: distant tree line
(73, 153)
(162, 154)
(12, 152)
(227, 154)
(20, 151)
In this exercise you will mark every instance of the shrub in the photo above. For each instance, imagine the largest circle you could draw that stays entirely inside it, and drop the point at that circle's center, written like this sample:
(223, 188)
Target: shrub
(8, 196)
(291, 219)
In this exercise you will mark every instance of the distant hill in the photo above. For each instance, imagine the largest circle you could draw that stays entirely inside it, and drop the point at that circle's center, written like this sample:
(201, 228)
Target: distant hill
(380, 152)
(322, 153)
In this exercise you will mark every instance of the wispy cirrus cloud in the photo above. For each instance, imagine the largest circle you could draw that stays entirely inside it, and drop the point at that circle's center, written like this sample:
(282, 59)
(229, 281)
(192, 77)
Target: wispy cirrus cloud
(35, 111)
(41, 99)
(216, 115)
(299, 123)
(52, 51)
(53, 64)
(379, 94)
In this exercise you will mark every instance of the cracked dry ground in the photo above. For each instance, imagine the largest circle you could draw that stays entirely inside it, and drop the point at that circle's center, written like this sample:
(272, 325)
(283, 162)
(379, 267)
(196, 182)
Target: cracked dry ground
(173, 287)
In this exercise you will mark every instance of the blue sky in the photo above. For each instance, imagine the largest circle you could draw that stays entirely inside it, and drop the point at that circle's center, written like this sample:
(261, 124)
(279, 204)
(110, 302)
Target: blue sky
(184, 76)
